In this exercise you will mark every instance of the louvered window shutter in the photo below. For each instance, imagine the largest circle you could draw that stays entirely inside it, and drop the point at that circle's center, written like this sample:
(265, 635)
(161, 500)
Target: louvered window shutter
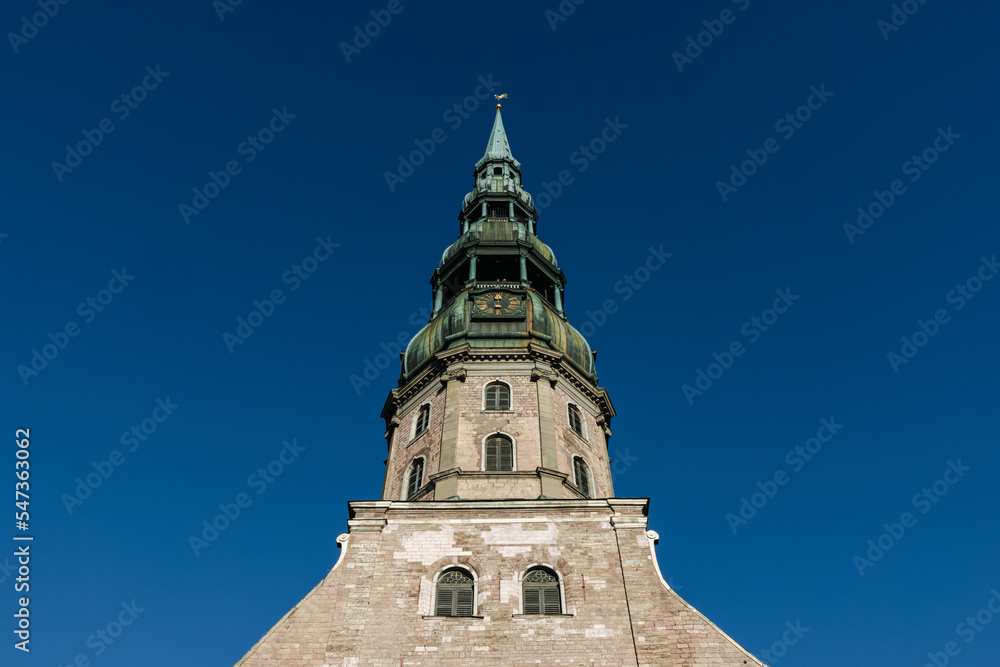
(463, 601)
(455, 594)
(541, 592)
(532, 600)
(550, 600)
(445, 602)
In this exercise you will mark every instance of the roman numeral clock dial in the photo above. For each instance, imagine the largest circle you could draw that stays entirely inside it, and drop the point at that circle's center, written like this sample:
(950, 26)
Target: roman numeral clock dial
(497, 303)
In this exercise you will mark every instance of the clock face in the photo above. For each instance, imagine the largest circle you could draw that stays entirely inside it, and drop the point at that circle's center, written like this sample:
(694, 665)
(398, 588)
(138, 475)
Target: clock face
(497, 302)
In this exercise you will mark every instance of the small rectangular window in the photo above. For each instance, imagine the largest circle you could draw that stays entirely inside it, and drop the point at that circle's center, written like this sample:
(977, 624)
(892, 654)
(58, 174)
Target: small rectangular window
(576, 420)
(499, 453)
(497, 396)
(415, 479)
(423, 420)
(581, 475)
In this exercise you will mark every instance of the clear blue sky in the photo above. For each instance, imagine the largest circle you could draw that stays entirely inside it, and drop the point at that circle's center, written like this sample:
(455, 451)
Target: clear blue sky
(335, 120)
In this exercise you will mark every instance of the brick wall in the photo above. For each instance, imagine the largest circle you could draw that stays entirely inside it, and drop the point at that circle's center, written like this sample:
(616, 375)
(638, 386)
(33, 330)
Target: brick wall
(475, 424)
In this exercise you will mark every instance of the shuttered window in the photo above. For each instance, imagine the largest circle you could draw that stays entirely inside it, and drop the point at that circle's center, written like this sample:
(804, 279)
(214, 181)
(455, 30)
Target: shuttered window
(499, 453)
(576, 420)
(582, 476)
(541, 593)
(423, 420)
(455, 595)
(497, 396)
(415, 478)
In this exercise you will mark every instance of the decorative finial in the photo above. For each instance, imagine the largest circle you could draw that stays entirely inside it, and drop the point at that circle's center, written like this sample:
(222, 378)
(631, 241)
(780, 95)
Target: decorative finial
(500, 97)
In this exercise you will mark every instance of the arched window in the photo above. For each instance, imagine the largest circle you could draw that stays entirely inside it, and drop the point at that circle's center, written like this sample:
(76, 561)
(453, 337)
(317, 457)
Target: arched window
(423, 419)
(497, 396)
(581, 474)
(414, 477)
(541, 592)
(499, 452)
(575, 420)
(455, 594)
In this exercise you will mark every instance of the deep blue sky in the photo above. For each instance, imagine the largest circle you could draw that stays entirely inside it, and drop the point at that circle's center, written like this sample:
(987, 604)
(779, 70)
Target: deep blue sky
(161, 336)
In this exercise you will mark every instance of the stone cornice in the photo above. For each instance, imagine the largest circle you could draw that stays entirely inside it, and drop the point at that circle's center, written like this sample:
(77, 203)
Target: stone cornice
(369, 509)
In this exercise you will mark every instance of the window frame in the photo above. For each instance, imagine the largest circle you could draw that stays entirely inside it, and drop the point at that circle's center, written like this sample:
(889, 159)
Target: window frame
(588, 471)
(416, 418)
(408, 472)
(510, 396)
(582, 433)
(559, 586)
(475, 589)
(513, 451)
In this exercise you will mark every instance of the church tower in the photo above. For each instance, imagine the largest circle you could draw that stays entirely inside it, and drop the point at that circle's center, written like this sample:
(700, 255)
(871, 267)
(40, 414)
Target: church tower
(497, 538)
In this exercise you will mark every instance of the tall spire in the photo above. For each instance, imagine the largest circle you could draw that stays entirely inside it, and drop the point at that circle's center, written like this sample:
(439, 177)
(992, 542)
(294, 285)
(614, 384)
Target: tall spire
(498, 148)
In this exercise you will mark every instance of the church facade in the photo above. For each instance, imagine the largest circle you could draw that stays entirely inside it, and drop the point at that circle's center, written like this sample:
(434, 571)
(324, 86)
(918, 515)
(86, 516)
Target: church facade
(498, 539)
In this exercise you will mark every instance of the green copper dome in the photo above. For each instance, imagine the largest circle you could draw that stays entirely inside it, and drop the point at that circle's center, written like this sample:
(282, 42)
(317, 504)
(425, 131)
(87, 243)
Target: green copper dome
(454, 327)
(492, 230)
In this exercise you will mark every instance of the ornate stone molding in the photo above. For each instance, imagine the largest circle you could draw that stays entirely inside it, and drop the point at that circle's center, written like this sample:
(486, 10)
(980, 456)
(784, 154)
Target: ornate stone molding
(538, 374)
(459, 375)
(602, 421)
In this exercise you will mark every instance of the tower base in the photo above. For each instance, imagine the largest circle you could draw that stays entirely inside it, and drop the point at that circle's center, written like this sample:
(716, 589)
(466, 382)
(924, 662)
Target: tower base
(377, 604)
